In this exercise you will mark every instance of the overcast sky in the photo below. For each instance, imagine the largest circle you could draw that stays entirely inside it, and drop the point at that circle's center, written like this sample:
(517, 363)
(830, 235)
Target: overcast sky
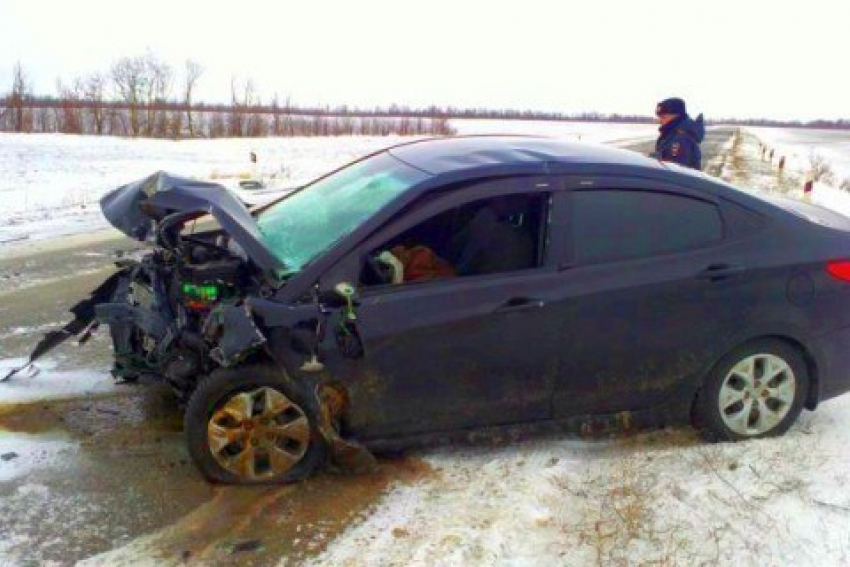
(727, 58)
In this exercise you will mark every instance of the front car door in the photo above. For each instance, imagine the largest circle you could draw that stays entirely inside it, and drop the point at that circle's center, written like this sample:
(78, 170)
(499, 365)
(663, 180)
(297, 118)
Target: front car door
(453, 353)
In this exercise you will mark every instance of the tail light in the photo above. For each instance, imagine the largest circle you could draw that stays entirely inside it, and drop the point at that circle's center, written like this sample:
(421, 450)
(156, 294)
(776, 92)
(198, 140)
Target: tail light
(839, 269)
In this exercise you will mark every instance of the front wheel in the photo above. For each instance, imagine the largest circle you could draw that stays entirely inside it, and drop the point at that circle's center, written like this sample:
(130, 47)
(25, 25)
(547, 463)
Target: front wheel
(757, 390)
(252, 425)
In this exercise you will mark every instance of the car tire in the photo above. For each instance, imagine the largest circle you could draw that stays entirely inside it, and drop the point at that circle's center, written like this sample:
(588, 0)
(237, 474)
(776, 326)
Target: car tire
(253, 425)
(757, 390)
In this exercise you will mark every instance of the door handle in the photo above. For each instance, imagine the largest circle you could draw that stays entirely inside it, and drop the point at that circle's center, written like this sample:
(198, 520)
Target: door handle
(520, 304)
(718, 272)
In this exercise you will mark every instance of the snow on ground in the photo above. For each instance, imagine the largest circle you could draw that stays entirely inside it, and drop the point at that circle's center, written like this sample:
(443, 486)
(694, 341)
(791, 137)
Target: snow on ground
(22, 452)
(798, 146)
(50, 183)
(48, 381)
(831, 198)
(662, 498)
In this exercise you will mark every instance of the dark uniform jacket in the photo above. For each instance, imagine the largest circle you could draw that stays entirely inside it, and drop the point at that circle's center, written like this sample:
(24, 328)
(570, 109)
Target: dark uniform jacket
(679, 142)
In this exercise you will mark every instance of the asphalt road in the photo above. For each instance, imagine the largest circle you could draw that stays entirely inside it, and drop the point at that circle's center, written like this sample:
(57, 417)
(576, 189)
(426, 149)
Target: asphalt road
(712, 147)
(123, 471)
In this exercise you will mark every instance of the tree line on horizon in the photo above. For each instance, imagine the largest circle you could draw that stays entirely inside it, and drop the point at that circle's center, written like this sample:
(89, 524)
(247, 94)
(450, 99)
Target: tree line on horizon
(139, 97)
(143, 97)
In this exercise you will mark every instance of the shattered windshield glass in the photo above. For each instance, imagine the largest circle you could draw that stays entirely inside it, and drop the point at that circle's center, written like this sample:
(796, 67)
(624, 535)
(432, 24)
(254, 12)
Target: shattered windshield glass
(308, 222)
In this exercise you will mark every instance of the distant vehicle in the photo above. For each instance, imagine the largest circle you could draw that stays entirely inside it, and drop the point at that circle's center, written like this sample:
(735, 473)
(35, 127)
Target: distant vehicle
(255, 192)
(251, 184)
(443, 286)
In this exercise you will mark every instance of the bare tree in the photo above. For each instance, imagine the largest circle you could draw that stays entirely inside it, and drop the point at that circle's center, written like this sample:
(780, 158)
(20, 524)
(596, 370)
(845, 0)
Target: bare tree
(194, 70)
(820, 169)
(68, 117)
(144, 84)
(218, 125)
(240, 101)
(159, 88)
(237, 116)
(21, 91)
(129, 78)
(93, 90)
(275, 127)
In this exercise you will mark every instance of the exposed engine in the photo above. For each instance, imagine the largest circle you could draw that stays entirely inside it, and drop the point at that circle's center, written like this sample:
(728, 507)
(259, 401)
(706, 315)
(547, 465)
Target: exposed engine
(179, 309)
(164, 315)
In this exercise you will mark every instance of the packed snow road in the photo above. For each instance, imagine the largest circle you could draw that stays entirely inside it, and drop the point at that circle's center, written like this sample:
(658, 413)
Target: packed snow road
(84, 474)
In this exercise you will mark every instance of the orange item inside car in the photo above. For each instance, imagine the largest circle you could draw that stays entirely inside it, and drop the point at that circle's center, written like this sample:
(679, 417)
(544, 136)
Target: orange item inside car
(420, 263)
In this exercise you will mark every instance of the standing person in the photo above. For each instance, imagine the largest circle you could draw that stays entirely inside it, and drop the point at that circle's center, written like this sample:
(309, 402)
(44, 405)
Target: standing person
(679, 136)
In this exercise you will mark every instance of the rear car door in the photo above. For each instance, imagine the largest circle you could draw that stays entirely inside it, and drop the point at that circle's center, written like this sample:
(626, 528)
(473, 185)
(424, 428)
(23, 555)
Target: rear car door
(458, 352)
(654, 282)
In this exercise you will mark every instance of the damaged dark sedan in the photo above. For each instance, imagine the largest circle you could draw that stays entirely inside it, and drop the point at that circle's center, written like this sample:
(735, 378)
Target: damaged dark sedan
(447, 286)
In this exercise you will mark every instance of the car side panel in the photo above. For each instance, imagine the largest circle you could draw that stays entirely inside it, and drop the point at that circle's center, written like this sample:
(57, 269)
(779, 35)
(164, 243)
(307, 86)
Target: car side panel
(447, 357)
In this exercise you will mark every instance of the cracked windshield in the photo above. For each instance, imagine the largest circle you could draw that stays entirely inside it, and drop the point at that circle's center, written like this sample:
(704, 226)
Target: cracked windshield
(311, 220)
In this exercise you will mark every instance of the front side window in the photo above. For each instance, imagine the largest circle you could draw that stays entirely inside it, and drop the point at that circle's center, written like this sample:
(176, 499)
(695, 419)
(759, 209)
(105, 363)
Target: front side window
(308, 222)
(498, 234)
(621, 224)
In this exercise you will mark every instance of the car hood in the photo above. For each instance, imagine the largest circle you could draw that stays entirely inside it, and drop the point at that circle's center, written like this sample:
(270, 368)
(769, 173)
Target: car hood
(136, 208)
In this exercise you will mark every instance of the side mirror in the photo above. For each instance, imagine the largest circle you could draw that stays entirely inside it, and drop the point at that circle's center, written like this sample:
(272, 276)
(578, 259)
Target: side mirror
(346, 292)
(342, 294)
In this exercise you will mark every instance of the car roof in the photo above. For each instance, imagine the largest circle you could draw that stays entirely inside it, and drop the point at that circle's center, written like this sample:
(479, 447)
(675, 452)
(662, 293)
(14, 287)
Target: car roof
(438, 156)
(459, 158)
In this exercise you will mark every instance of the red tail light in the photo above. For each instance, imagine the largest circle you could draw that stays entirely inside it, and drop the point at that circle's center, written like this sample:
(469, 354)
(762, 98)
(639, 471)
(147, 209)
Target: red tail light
(839, 269)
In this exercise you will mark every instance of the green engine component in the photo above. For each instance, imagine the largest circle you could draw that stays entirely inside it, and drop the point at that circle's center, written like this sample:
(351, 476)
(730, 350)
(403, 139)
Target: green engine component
(206, 293)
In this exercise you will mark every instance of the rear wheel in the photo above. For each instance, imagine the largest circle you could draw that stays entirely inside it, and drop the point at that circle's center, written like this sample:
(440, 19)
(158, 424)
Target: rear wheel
(757, 390)
(252, 425)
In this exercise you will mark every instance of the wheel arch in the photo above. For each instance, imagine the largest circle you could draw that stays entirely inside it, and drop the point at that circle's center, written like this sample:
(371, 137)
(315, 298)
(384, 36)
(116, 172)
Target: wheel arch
(813, 393)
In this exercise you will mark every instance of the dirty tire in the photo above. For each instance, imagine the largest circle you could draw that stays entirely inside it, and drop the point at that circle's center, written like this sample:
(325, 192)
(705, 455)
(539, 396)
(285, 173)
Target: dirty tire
(720, 410)
(227, 384)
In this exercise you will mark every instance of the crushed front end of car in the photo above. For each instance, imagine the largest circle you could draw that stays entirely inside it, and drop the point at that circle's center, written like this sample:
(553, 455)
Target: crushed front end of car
(168, 309)
(182, 311)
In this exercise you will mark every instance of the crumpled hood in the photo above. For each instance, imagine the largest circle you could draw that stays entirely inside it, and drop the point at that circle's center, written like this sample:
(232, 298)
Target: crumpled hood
(135, 209)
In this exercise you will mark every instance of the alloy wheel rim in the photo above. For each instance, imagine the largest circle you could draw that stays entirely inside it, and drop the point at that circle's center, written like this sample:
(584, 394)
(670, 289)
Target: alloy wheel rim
(258, 434)
(757, 394)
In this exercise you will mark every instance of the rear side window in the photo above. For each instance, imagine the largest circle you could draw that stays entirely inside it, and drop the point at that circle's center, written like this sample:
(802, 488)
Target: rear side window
(621, 224)
(739, 220)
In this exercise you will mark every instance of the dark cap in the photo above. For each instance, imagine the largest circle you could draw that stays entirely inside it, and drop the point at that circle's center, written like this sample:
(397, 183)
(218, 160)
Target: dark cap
(670, 106)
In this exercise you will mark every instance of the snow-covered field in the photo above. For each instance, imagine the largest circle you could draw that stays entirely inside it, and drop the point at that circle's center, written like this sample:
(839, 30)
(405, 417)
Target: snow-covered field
(661, 498)
(50, 183)
(799, 145)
